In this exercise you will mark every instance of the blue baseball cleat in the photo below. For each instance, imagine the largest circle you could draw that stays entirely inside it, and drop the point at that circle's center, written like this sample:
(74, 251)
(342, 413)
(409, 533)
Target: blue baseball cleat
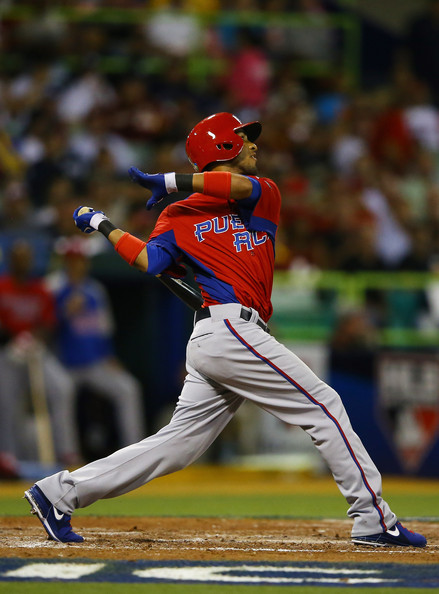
(56, 524)
(397, 536)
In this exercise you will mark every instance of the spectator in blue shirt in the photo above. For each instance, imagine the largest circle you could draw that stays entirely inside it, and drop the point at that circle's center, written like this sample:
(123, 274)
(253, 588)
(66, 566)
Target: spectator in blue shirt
(85, 343)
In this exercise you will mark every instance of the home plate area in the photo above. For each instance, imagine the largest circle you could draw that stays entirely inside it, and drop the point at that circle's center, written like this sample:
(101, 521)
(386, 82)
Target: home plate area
(226, 573)
(227, 551)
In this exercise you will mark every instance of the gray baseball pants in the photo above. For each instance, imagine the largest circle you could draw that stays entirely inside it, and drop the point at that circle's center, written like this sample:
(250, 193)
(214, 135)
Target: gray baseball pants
(229, 360)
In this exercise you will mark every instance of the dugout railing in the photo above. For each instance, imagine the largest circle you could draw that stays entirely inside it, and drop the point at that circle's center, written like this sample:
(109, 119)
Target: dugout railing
(308, 303)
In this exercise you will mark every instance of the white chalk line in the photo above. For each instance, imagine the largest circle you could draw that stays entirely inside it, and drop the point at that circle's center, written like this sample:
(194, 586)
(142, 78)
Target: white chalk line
(169, 544)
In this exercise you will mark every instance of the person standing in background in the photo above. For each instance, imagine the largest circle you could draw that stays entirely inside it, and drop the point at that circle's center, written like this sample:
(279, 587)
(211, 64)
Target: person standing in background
(27, 322)
(84, 340)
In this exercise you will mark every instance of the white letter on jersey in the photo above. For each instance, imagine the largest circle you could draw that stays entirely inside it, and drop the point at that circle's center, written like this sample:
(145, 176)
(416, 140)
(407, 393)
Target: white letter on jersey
(242, 239)
(257, 241)
(236, 222)
(224, 228)
(201, 228)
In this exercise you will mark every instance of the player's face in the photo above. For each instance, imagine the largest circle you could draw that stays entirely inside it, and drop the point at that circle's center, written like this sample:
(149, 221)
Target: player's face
(246, 161)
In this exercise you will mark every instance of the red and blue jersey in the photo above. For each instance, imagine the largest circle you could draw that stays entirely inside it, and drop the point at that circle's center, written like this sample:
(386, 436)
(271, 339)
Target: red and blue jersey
(229, 244)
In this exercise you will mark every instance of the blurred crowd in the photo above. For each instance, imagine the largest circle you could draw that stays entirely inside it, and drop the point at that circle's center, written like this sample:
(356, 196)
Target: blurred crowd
(81, 102)
(358, 168)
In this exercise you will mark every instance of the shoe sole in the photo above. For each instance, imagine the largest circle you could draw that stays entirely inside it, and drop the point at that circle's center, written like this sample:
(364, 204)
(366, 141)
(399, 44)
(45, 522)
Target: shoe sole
(368, 543)
(35, 510)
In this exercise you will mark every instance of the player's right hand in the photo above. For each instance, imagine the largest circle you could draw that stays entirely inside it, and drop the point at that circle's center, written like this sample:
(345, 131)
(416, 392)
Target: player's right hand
(155, 182)
(88, 221)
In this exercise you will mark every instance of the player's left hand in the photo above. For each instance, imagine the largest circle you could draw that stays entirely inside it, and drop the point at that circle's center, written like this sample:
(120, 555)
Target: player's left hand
(155, 182)
(88, 220)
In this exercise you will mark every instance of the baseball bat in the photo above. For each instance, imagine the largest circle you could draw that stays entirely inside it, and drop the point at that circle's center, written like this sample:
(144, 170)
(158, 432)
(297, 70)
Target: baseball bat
(46, 451)
(190, 296)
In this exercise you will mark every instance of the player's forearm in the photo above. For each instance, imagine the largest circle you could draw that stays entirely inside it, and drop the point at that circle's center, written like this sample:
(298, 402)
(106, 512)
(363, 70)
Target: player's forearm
(127, 246)
(220, 184)
(240, 186)
(114, 236)
(130, 248)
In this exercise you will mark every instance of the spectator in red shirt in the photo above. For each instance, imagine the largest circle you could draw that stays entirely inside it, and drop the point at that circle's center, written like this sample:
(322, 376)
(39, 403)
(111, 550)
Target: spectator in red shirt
(27, 318)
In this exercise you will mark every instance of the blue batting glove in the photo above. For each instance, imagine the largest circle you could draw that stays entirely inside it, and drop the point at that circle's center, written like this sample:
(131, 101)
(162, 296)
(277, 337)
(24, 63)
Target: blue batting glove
(88, 221)
(155, 182)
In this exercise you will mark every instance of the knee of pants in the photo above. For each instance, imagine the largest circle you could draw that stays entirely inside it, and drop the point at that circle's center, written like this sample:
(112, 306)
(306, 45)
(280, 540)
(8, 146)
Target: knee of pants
(185, 457)
(332, 417)
(328, 398)
(192, 448)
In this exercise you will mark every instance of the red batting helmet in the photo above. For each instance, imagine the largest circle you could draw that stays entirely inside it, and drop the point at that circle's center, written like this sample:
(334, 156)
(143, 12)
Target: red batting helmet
(215, 139)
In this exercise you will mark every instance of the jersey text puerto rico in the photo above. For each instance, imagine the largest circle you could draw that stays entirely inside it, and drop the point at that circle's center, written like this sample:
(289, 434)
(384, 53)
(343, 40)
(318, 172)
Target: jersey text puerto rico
(242, 237)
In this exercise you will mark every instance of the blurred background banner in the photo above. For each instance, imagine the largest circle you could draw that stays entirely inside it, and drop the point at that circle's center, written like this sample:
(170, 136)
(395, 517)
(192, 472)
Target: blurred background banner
(348, 95)
(395, 410)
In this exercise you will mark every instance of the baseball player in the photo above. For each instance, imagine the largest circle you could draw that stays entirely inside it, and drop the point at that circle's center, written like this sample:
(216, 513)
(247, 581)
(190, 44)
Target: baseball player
(225, 230)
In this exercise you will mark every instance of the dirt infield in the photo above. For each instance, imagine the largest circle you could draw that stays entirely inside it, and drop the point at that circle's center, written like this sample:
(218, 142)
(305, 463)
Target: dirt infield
(209, 539)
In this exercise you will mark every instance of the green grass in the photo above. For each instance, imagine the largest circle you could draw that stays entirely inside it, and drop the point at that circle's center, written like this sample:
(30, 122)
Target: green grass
(91, 588)
(313, 505)
(263, 505)
(224, 505)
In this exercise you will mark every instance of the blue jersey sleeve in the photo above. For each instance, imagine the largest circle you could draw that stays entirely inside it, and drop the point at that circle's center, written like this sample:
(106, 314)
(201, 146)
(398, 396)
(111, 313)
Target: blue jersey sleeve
(162, 252)
(247, 205)
(260, 212)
